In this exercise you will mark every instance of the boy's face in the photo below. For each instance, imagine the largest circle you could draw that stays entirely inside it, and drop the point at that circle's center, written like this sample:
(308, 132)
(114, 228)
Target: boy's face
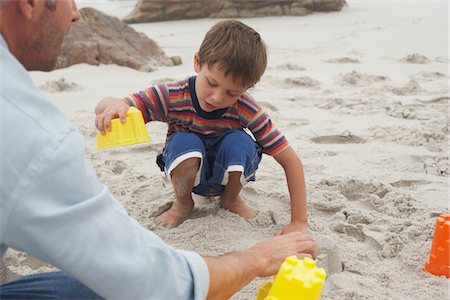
(214, 89)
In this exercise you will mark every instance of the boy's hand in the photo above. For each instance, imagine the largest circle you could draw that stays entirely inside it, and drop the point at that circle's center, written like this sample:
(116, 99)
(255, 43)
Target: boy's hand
(293, 227)
(107, 109)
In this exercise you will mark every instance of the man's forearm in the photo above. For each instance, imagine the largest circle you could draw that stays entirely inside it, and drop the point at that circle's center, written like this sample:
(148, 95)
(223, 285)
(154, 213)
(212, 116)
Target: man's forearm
(230, 272)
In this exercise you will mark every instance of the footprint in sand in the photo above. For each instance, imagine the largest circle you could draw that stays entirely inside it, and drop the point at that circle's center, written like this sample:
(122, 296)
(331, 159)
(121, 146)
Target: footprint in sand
(265, 219)
(352, 230)
(347, 138)
(304, 82)
(433, 136)
(428, 76)
(117, 166)
(357, 79)
(357, 216)
(409, 183)
(343, 60)
(357, 225)
(436, 165)
(365, 196)
(415, 58)
(290, 67)
(327, 201)
(411, 88)
(398, 205)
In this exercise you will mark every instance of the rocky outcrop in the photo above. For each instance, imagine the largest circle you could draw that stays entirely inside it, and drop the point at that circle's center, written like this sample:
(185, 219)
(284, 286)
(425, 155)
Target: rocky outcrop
(101, 39)
(164, 10)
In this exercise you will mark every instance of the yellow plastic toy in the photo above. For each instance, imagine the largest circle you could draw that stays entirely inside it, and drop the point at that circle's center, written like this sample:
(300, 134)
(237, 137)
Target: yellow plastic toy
(133, 131)
(296, 279)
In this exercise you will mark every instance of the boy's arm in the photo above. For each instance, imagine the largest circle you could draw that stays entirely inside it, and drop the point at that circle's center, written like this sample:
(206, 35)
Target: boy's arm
(295, 178)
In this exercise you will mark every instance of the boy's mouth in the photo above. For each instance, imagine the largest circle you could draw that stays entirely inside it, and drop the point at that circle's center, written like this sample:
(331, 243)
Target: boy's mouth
(208, 106)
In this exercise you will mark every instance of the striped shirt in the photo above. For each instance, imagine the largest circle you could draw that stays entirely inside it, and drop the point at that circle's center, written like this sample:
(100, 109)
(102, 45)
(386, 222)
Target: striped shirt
(177, 105)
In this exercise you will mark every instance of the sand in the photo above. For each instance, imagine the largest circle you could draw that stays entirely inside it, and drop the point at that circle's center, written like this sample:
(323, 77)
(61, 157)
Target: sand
(362, 95)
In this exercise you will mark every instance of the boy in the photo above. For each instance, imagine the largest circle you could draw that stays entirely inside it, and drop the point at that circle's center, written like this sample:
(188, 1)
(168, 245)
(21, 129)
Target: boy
(207, 150)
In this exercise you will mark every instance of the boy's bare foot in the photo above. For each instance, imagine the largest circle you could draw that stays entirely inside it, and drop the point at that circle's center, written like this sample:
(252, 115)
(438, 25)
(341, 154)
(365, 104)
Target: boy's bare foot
(175, 215)
(239, 207)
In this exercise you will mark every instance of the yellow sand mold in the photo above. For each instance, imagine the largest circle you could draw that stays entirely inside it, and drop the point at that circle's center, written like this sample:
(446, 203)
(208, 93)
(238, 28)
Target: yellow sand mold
(133, 131)
(296, 279)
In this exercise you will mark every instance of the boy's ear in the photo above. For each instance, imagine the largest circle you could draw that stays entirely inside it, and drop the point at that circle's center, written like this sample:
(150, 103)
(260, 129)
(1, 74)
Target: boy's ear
(196, 62)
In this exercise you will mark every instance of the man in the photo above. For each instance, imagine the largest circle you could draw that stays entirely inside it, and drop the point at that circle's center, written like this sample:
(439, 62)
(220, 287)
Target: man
(54, 207)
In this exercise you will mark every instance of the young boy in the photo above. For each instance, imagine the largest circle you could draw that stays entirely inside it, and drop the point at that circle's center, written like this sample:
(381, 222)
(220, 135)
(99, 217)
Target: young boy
(207, 150)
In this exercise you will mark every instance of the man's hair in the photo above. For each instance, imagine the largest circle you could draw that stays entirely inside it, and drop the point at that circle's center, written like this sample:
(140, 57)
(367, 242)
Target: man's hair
(237, 49)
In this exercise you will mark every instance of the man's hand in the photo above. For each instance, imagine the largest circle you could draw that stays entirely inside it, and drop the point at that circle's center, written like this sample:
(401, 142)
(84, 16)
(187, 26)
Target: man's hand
(275, 250)
(230, 272)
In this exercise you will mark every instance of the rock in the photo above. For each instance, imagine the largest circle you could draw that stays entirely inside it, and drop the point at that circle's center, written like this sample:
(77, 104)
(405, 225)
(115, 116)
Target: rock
(98, 38)
(176, 60)
(164, 10)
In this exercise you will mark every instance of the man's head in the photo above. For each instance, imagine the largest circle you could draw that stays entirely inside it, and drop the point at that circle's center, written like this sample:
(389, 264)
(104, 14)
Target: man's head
(35, 29)
(237, 49)
(231, 58)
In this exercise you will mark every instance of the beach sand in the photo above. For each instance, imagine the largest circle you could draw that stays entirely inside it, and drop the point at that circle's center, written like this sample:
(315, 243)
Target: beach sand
(362, 96)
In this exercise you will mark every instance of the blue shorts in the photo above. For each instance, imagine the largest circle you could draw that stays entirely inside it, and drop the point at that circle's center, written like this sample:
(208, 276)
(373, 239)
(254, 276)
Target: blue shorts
(235, 150)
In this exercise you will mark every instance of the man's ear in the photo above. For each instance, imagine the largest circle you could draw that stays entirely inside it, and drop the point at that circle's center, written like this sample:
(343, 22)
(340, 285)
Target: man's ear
(26, 8)
(196, 62)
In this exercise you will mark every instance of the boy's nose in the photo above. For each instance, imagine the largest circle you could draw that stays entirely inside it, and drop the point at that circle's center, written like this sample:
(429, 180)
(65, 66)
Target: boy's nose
(216, 98)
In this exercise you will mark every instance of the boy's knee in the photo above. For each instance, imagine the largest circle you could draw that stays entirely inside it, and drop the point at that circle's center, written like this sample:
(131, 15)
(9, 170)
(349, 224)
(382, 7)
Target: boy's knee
(187, 168)
(192, 163)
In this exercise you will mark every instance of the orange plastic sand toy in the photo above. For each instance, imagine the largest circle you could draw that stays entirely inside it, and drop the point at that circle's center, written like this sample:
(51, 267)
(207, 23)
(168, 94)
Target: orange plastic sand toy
(439, 262)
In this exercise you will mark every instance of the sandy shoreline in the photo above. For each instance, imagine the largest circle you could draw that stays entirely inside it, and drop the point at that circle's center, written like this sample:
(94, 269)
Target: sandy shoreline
(362, 95)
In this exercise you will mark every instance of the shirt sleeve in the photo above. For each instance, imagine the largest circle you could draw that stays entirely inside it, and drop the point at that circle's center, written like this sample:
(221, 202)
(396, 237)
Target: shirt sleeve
(64, 215)
(153, 102)
(261, 126)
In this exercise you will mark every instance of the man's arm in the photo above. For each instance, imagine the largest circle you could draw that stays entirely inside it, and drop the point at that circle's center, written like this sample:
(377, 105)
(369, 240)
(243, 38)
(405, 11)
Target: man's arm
(230, 272)
(62, 214)
(295, 178)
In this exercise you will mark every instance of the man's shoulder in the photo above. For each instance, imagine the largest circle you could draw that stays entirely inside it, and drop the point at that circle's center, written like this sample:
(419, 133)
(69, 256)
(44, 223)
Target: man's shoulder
(27, 115)
(35, 132)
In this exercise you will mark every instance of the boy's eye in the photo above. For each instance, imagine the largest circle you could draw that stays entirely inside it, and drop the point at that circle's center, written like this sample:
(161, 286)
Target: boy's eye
(212, 84)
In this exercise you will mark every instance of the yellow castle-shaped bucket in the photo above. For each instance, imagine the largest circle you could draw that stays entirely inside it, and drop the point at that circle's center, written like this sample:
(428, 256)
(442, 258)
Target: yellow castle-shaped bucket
(133, 131)
(297, 279)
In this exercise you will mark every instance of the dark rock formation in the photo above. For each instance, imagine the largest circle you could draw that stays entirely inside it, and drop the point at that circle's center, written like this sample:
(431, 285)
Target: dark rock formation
(98, 38)
(164, 10)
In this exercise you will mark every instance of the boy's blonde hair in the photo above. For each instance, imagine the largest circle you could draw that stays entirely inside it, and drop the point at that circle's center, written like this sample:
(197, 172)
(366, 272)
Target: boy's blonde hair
(237, 49)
